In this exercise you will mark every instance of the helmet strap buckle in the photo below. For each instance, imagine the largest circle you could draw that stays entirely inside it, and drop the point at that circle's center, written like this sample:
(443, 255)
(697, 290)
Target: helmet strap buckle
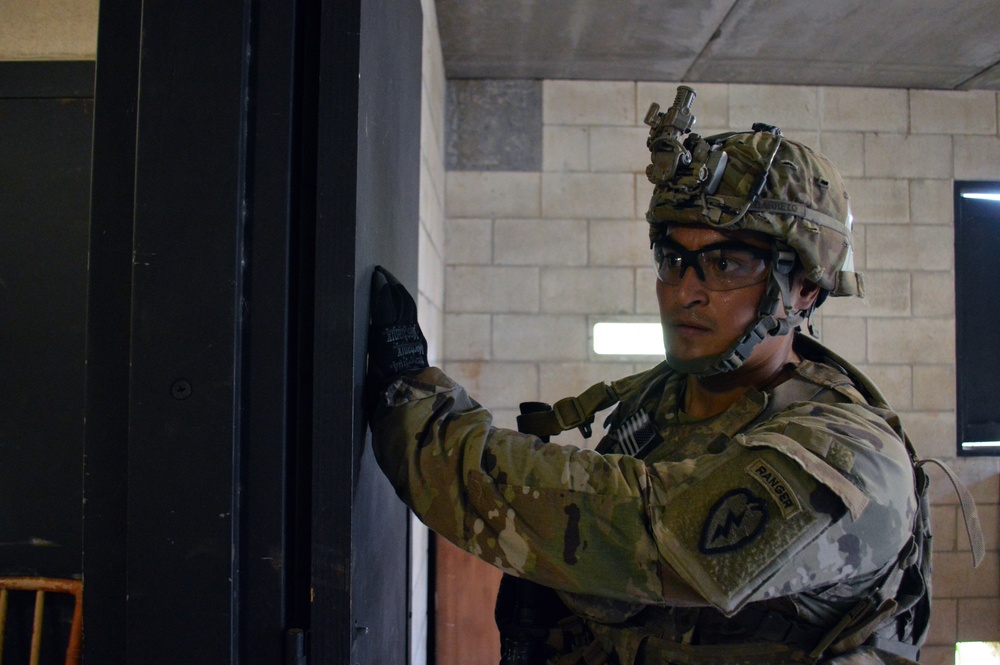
(778, 291)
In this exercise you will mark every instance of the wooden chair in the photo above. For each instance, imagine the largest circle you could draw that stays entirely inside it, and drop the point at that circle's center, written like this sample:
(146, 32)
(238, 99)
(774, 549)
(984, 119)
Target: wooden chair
(41, 586)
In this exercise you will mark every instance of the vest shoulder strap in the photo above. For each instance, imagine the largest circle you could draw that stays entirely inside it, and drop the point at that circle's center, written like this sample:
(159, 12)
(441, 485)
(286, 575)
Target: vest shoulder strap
(543, 420)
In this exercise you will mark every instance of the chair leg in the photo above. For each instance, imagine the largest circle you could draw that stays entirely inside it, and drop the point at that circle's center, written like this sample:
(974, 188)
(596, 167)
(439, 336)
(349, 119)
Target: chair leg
(3, 618)
(36, 631)
(73, 650)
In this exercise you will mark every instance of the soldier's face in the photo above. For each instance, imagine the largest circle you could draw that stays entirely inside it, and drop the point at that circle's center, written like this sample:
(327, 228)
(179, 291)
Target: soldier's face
(698, 322)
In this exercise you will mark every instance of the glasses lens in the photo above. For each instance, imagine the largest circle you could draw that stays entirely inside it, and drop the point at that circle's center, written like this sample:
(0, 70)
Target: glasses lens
(722, 267)
(670, 263)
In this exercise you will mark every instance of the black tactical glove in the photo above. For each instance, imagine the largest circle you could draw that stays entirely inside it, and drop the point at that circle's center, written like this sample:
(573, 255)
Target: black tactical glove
(395, 342)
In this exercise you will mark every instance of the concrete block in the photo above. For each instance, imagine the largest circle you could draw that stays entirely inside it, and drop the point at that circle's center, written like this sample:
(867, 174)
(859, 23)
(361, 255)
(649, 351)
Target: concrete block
(879, 200)
(984, 491)
(431, 321)
(588, 102)
(859, 245)
(506, 418)
(710, 107)
(587, 195)
(558, 380)
(494, 125)
(432, 187)
(493, 194)
(540, 337)
(944, 522)
(496, 385)
(932, 202)
(645, 292)
(910, 247)
(914, 341)
(954, 577)
(468, 336)
(864, 109)
(932, 432)
(977, 158)
(934, 387)
(908, 156)
(565, 149)
(433, 67)
(807, 137)
(979, 620)
(588, 290)
(432, 130)
(944, 623)
(618, 149)
(789, 107)
(643, 193)
(895, 382)
(469, 241)
(848, 336)
(541, 242)
(619, 243)
(430, 262)
(846, 150)
(431, 145)
(934, 294)
(953, 112)
(65, 30)
(886, 294)
(472, 289)
(432, 206)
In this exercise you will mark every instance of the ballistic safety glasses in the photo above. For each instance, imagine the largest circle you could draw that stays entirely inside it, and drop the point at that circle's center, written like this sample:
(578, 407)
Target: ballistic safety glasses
(721, 266)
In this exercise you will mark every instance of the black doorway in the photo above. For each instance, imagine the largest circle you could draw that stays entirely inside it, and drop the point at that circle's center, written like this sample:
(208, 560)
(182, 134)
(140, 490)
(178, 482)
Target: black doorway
(252, 163)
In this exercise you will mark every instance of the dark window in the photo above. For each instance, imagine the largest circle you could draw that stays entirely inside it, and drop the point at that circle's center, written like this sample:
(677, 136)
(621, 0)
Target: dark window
(977, 301)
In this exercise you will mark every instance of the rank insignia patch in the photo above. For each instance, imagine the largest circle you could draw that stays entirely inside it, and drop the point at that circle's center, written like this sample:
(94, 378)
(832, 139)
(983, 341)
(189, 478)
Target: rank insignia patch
(733, 522)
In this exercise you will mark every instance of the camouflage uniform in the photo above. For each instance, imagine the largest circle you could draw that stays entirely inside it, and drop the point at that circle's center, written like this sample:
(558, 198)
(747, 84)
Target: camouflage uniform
(784, 529)
(793, 503)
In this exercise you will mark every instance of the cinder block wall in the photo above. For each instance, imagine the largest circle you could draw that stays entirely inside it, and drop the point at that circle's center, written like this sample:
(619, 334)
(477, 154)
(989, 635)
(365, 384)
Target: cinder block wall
(545, 236)
(48, 29)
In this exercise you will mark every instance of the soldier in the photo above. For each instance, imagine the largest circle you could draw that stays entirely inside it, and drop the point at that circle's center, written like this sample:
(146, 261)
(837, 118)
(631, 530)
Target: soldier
(755, 500)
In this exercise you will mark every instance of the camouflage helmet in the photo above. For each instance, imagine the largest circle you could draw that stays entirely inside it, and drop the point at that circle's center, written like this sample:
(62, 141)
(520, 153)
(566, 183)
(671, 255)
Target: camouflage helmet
(758, 181)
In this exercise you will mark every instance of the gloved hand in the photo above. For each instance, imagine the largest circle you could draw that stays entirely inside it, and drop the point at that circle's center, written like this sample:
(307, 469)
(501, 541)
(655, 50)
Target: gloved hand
(395, 341)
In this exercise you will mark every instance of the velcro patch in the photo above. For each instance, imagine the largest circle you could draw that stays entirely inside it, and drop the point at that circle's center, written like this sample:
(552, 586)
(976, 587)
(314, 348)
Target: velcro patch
(776, 486)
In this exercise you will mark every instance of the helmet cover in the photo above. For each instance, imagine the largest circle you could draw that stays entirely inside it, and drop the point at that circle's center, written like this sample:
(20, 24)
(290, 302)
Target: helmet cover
(757, 181)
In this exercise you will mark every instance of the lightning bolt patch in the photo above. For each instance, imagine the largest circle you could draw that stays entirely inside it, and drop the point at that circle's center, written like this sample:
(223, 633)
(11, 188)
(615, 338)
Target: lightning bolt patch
(733, 522)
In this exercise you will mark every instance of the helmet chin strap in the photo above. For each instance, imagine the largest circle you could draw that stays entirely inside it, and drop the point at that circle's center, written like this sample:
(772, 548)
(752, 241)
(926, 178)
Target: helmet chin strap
(778, 292)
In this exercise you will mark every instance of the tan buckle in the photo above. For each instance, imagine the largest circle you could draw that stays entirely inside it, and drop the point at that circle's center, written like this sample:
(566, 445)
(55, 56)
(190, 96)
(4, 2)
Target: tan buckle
(569, 414)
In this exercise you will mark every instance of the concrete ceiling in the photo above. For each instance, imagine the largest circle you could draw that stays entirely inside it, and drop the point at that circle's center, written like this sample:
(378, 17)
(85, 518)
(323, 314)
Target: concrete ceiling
(935, 44)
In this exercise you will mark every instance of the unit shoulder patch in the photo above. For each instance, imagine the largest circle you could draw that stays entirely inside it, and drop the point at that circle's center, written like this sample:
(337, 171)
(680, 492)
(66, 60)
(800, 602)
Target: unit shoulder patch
(776, 486)
(736, 520)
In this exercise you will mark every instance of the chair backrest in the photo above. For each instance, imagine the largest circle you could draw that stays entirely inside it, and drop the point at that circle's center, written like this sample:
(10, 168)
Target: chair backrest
(41, 586)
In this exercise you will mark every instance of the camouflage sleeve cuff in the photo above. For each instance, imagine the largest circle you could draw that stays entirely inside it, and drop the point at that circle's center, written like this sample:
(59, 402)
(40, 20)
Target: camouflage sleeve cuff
(415, 385)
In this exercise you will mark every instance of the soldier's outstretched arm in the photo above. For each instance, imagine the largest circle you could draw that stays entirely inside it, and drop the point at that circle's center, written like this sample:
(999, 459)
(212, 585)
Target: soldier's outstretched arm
(561, 516)
(762, 518)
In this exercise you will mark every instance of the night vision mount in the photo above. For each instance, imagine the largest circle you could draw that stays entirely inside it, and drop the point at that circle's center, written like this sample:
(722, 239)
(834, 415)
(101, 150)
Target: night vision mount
(675, 149)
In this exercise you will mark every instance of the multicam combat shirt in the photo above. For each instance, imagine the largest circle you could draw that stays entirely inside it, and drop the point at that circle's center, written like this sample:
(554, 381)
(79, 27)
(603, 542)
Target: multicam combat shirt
(804, 494)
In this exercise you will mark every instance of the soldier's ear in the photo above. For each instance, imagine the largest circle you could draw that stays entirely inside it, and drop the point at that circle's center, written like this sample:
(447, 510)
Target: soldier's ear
(804, 292)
